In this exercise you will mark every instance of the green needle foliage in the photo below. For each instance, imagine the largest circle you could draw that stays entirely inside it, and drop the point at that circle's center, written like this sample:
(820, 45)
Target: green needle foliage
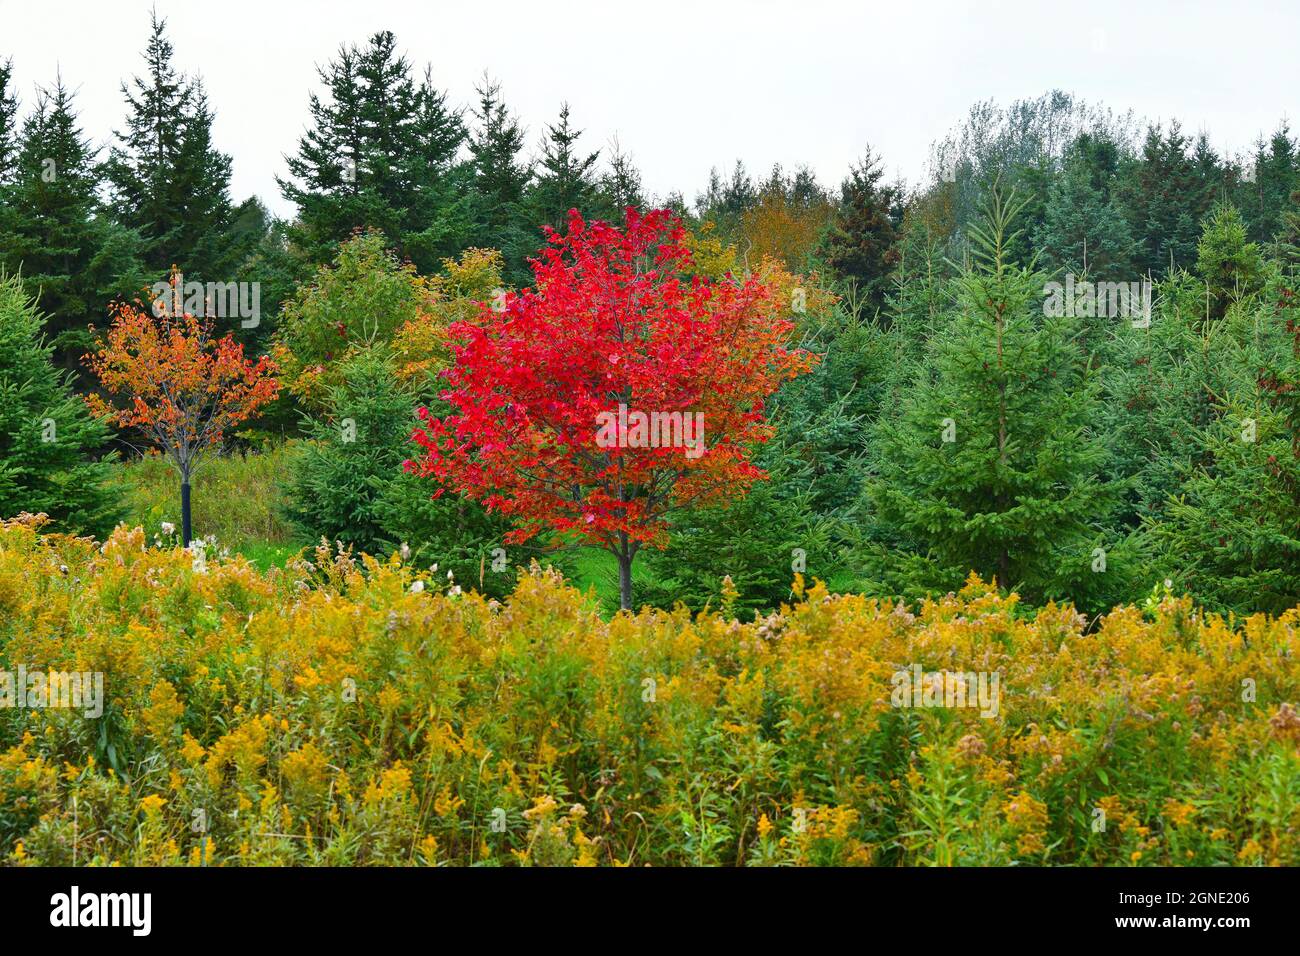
(991, 464)
(48, 438)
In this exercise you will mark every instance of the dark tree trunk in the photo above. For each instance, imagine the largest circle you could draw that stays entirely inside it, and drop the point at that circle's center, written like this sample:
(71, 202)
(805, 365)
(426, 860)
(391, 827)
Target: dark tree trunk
(186, 527)
(625, 579)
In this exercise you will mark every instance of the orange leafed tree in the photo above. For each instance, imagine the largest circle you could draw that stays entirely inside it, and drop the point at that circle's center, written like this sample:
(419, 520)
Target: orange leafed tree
(168, 376)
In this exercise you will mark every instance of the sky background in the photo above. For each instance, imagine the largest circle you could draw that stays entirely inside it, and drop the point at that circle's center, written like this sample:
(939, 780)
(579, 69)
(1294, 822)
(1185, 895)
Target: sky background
(689, 85)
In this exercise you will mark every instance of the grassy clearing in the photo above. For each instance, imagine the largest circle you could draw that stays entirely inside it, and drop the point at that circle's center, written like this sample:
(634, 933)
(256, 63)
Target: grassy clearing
(234, 498)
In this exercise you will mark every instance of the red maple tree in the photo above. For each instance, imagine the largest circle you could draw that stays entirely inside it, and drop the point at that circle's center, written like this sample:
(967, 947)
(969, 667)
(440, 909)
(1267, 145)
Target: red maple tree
(178, 384)
(615, 390)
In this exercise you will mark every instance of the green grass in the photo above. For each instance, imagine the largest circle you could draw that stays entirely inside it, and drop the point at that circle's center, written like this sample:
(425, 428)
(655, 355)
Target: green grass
(265, 556)
(595, 568)
(233, 497)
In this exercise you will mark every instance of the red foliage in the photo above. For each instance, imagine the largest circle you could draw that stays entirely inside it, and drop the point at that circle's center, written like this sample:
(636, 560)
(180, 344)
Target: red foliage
(613, 318)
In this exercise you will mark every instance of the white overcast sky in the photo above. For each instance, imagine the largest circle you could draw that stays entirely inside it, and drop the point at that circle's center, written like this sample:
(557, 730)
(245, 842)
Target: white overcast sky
(689, 85)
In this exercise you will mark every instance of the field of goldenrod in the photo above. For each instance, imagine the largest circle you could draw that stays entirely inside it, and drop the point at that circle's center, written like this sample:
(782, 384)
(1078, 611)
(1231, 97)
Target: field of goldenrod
(337, 712)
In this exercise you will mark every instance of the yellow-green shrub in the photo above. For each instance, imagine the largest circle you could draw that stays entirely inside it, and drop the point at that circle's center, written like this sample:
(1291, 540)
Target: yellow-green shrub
(534, 732)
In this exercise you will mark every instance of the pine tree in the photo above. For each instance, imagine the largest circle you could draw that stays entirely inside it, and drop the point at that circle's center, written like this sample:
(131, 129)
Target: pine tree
(72, 256)
(861, 245)
(169, 181)
(565, 179)
(48, 440)
(990, 465)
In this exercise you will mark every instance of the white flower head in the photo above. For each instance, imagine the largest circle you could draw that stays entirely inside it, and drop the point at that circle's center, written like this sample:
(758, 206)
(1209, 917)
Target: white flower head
(417, 587)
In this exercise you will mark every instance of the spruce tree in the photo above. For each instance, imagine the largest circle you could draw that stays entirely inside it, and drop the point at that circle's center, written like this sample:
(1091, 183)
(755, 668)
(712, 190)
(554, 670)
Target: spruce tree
(1085, 231)
(860, 247)
(991, 464)
(48, 440)
(1285, 247)
(1231, 267)
(72, 256)
(8, 122)
(381, 153)
(438, 215)
(169, 181)
(1232, 534)
(357, 445)
(620, 185)
(565, 178)
(1165, 195)
(1263, 195)
(1157, 386)
(327, 174)
(501, 180)
(346, 483)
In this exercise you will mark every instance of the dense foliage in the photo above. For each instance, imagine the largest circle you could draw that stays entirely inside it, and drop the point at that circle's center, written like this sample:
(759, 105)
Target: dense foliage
(347, 711)
(1036, 414)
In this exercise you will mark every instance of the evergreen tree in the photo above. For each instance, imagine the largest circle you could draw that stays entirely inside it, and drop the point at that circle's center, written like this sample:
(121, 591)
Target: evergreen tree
(920, 289)
(356, 446)
(1285, 247)
(8, 122)
(861, 244)
(72, 256)
(380, 153)
(620, 185)
(501, 180)
(1084, 231)
(1232, 535)
(439, 213)
(347, 484)
(1231, 267)
(725, 201)
(48, 439)
(565, 179)
(757, 541)
(1264, 196)
(991, 465)
(169, 181)
(1230, 528)
(1157, 387)
(1165, 196)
